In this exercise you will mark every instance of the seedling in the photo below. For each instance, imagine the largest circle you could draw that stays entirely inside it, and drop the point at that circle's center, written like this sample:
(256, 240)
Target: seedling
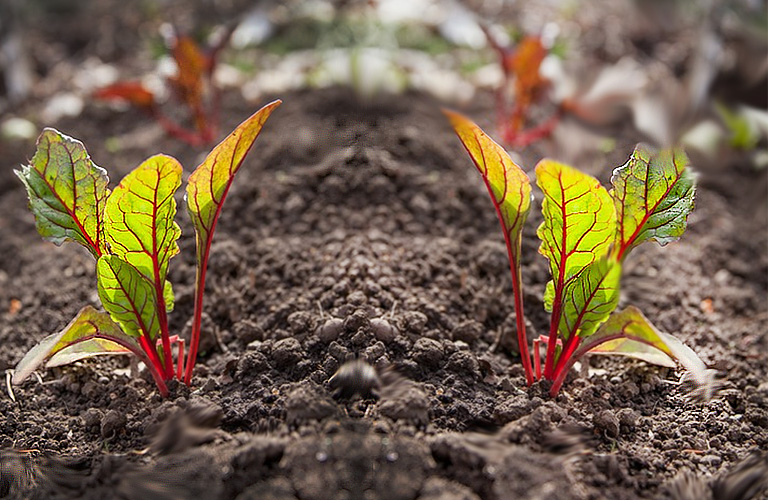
(522, 88)
(586, 234)
(132, 234)
(192, 87)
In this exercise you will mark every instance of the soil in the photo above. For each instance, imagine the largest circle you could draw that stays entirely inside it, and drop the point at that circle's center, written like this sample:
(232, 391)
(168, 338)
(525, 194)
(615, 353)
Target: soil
(359, 230)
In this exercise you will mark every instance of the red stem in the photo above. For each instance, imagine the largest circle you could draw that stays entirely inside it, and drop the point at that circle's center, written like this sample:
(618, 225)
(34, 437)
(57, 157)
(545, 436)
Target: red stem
(553, 327)
(530, 136)
(180, 360)
(537, 357)
(573, 356)
(565, 355)
(174, 130)
(522, 338)
(154, 365)
(198, 313)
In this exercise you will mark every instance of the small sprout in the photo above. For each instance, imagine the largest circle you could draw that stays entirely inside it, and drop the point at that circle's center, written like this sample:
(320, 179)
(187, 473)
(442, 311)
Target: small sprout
(586, 235)
(354, 378)
(132, 233)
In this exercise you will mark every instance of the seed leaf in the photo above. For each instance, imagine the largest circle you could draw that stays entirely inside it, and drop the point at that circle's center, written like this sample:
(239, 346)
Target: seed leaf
(90, 333)
(653, 194)
(507, 183)
(209, 183)
(629, 333)
(128, 297)
(579, 222)
(140, 217)
(67, 192)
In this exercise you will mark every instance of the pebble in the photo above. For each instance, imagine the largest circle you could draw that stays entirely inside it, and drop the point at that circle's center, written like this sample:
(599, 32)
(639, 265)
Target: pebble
(330, 330)
(414, 321)
(112, 423)
(463, 363)
(512, 409)
(628, 418)
(607, 421)
(92, 418)
(383, 330)
(356, 320)
(286, 353)
(468, 331)
(250, 364)
(299, 322)
(428, 352)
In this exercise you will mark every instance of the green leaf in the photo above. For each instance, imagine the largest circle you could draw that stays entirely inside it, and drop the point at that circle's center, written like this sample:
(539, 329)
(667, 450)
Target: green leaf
(590, 298)
(507, 183)
(209, 183)
(140, 217)
(67, 192)
(128, 297)
(629, 333)
(170, 300)
(90, 333)
(578, 229)
(653, 194)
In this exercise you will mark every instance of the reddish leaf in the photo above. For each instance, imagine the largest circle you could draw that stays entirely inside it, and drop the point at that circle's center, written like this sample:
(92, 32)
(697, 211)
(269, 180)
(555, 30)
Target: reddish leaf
(132, 92)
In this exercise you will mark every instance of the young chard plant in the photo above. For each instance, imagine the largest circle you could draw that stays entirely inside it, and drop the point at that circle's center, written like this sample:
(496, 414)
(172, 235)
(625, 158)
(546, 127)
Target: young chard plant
(586, 235)
(192, 86)
(132, 234)
(522, 88)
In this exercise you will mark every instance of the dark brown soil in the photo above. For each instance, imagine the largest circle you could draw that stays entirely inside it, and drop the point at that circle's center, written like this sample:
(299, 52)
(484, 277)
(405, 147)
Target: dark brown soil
(360, 230)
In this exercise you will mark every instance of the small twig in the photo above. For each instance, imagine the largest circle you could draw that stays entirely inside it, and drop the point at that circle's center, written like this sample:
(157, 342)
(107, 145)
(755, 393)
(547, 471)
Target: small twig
(8, 384)
(320, 308)
(394, 308)
(39, 378)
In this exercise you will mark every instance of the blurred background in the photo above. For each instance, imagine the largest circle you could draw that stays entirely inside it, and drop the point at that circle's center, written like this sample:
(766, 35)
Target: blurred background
(571, 75)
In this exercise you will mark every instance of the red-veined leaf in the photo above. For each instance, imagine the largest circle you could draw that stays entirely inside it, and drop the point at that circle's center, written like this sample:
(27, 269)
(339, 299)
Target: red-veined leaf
(629, 333)
(510, 191)
(67, 192)
(90, 333)
(578, 228)
(507, 183)
(128, 297)
(207, 189)
(653, 194)
(209, 183)
(579, 220)
(140, 217)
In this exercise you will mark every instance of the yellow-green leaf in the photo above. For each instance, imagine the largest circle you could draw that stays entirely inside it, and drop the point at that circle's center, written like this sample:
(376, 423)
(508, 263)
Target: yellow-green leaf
(209, 183)
(90, 333)
(590, 298)
(579, 220)
(629, 333)
(507, 183)
(128, 297)
(653, 194)
(140, 217)
(67, 192)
